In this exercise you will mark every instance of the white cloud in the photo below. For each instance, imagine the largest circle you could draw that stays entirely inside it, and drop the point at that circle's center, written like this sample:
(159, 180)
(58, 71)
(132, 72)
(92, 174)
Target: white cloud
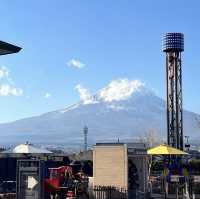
(7, 86)
(120, 89)
(47, 95)
(84, 93)
(9, 90)
(75, 63)
(4, 72)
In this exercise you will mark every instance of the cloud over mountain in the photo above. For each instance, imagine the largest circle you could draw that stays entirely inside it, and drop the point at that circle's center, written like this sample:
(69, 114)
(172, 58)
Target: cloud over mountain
(116, 90)
(84, 93)
(120, 89)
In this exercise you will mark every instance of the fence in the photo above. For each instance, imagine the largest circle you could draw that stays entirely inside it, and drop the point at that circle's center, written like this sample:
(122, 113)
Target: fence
(109, 192)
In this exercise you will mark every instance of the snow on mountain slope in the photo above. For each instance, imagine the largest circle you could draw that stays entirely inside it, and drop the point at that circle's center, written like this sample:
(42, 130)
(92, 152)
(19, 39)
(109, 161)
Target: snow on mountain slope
(124, 109)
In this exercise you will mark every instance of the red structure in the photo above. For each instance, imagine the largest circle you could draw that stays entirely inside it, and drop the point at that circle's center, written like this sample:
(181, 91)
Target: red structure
(63, 182)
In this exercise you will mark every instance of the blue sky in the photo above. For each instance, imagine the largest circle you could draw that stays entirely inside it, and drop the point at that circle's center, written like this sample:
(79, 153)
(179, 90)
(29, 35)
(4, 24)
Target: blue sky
(112, 39)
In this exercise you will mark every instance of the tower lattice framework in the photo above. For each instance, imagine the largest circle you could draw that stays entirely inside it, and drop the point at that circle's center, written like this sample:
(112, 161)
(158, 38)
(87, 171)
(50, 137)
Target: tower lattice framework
(173, 45)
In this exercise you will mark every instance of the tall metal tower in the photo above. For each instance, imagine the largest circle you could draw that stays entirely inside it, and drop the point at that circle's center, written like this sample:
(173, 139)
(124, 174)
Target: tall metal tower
(173, 46)
(85, 131)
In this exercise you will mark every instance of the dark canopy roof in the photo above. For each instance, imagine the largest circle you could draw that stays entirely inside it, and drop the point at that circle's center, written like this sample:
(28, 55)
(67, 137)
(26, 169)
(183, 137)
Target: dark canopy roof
(6, 48)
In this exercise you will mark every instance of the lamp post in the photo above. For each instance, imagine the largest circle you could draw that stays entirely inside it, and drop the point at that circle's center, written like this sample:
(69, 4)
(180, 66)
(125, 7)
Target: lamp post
(6, 48)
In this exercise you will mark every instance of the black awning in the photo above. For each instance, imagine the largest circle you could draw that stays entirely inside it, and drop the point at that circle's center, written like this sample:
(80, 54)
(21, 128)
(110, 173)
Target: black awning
(6, 48)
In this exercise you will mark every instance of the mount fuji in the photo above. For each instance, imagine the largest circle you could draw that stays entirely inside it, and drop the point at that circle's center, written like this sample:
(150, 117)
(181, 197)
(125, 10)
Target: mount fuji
(124, 109)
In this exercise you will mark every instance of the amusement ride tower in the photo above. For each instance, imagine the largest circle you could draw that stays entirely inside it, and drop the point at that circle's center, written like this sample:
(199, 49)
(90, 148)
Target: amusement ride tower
(173, 46)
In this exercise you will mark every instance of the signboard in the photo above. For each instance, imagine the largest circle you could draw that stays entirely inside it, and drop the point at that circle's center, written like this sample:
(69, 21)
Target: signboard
(32, 182)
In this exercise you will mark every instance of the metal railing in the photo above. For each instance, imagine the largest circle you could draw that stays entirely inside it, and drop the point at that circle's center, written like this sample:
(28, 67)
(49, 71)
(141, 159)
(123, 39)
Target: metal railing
(108, 192)
(160, 186)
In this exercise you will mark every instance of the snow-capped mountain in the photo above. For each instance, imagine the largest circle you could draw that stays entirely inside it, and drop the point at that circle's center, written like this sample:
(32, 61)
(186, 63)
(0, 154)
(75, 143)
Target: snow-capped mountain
(124, 109)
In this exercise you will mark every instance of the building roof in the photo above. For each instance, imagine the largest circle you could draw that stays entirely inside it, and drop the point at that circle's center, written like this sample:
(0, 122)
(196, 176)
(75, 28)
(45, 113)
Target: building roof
(132, 148)
(164, 149)
(27, 149)
(6, 48)
(135, 145)
(109, 144)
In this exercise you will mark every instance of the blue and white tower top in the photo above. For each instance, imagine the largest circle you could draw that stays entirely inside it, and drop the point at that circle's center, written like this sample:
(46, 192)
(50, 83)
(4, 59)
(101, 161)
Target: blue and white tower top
(173, 42)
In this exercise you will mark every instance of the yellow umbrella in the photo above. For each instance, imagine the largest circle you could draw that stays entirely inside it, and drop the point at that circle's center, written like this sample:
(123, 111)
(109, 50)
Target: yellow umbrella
(164, 149)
